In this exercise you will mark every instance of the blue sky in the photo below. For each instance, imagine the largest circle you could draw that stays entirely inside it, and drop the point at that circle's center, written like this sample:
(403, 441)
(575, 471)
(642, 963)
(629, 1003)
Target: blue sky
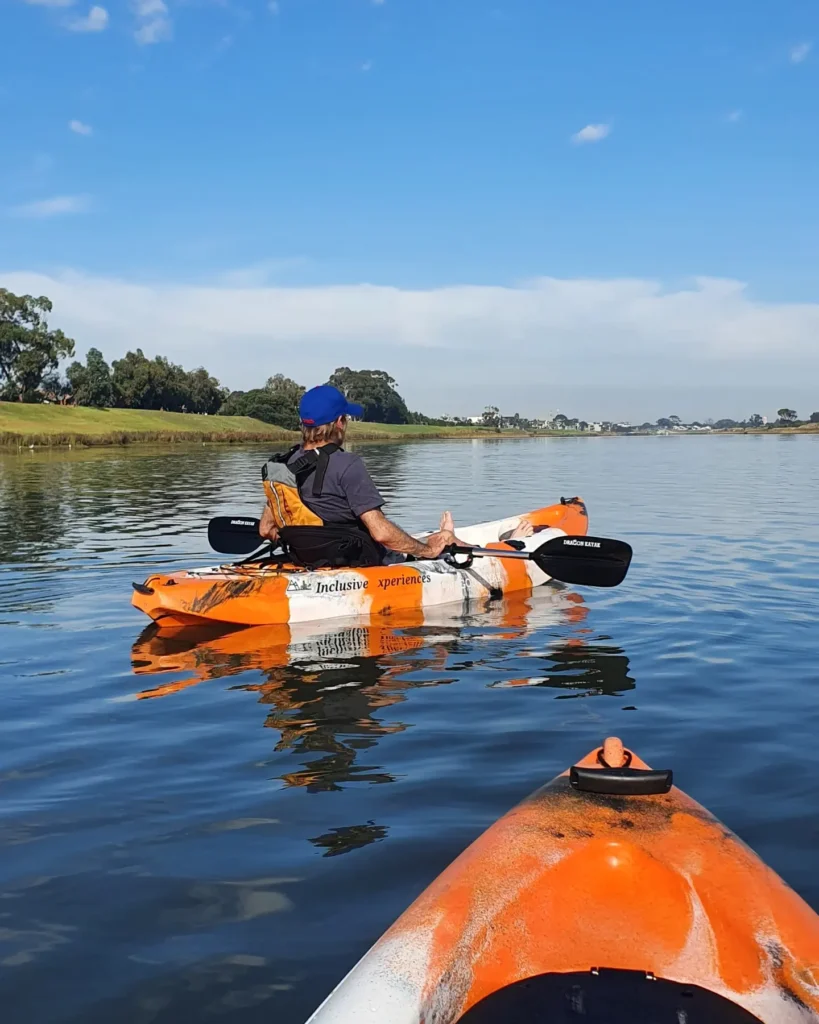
(381, 183)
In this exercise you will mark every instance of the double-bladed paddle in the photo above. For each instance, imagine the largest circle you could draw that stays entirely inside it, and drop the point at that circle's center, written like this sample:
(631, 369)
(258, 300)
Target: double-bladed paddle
(583, 561)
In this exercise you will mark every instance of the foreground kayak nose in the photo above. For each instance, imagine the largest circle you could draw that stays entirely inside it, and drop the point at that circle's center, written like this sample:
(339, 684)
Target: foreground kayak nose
(607, 897)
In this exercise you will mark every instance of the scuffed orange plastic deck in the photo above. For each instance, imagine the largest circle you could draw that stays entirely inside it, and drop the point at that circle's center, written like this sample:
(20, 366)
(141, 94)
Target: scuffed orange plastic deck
(568, 881)
(571, 881)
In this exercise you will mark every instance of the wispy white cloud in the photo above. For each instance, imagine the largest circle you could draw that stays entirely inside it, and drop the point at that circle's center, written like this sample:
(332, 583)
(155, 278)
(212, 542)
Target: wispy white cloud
(153, 22)
(80, 128)
(634, 336)
(158, 30)
(733, 116)
(149, 8)
(591, 133)
(95, 21)
(56, 206)
(367, 65)
(51, 3)
(273, 6)
(378, 3)
(800, 52)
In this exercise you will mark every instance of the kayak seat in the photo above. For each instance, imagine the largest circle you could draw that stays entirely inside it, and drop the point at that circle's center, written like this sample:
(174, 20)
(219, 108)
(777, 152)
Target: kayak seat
(605, 996)
(331, 547)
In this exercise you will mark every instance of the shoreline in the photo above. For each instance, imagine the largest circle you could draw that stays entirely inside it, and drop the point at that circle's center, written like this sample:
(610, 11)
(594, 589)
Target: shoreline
(10, 441)
(56, 426)
(53, 426)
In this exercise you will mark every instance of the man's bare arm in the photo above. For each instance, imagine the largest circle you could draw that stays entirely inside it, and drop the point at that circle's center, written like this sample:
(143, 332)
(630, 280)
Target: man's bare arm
(267, 526)
(393, 537)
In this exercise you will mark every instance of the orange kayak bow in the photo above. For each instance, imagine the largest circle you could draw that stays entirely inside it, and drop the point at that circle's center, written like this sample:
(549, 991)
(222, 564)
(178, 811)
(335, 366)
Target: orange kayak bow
(607, 897)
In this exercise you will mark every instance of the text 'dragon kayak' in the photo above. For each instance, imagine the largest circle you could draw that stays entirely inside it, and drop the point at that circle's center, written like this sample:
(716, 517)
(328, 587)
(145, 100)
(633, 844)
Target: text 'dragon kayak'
(265, 594)
(607, 897)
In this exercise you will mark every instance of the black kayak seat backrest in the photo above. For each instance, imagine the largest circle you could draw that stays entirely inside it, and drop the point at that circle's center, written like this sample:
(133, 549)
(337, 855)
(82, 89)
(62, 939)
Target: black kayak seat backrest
(331, 546)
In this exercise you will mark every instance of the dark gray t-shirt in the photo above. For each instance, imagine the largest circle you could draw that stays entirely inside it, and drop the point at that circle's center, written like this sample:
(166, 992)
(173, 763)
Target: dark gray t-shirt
(348, 491)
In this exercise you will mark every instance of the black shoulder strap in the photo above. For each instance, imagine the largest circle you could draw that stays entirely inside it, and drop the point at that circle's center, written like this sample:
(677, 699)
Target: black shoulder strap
(322, 462)
(317, 459)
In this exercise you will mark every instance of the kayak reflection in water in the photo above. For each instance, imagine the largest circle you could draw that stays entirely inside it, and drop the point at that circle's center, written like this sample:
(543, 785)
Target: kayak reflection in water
(326, 692)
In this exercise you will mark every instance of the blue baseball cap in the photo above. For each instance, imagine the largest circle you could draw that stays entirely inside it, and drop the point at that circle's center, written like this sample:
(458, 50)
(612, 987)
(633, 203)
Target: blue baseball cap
(325, 404)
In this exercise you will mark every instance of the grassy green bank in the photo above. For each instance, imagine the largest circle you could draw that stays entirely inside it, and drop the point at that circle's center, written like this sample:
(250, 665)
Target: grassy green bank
(54, 425)
(399, 431)
(22, 424)
(50, 425)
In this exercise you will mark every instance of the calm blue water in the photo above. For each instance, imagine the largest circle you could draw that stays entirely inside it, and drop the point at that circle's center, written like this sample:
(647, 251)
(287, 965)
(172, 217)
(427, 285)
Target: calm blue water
(216, 827)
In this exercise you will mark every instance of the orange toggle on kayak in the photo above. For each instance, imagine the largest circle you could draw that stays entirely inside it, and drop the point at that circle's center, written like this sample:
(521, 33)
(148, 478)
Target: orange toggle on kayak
(606, 897)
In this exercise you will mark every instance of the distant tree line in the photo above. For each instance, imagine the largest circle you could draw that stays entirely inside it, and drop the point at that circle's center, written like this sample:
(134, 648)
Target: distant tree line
(136, 382)
(31, 353)
(785, 418)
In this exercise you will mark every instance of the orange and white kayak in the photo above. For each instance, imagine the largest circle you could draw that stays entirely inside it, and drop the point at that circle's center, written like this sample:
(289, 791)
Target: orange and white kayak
(260, 594)
(607, 897)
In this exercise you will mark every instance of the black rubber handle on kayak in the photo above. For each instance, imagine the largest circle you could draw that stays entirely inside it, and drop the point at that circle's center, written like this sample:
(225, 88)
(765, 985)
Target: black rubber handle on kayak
(621, 781)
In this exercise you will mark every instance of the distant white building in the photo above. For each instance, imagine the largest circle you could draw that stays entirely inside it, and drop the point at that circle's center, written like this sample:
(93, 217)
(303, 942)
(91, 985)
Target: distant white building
(764, 421)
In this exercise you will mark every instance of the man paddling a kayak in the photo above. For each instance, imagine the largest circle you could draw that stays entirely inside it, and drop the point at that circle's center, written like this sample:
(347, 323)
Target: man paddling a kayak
(322, 501)
(270, 588)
